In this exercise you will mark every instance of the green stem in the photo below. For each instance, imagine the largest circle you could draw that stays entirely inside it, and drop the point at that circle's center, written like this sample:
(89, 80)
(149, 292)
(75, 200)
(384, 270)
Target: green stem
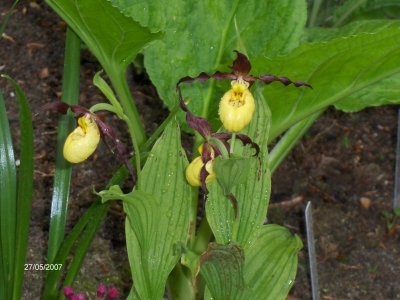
(289, 140)
(314, 12)
(355, 5)
(103, 106)
(121, 87)
(233, 140)
(179, 285)
(203, 237)
(70, 93)
(135, 147)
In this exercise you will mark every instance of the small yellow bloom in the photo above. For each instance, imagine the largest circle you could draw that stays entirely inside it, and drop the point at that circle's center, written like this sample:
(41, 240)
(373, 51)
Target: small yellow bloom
(193, 171)
(237, 106)
(83, 141)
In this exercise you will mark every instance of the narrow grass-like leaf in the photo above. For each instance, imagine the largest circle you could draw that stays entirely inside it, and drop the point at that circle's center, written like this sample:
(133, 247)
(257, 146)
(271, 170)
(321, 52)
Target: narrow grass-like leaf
(252, 196)
(289, 140)
(62, 176)
(356, 9)
(222, 270)
(337, 69)
(3, 25)
(8, 204)
(24, 189)
(81, 231)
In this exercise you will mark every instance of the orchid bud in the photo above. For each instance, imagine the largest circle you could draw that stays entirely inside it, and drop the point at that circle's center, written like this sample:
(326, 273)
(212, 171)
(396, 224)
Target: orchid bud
(237, 106)
(83, 141)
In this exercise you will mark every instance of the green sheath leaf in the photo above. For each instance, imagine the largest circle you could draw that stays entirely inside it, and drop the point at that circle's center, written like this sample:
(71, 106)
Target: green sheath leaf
(222, 270)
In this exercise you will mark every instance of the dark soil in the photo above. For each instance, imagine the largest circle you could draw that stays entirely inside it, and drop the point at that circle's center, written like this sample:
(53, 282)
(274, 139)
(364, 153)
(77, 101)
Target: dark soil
(344, 166)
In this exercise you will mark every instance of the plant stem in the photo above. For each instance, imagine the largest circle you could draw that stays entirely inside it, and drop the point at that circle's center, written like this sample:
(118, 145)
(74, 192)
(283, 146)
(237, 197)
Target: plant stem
(233, 140)
(203, 236)
(355, 5)
(179, 285)
(314, 12)
(103, 106)
(70, 93)
(289, 140)
(135, 147)
(118, 79)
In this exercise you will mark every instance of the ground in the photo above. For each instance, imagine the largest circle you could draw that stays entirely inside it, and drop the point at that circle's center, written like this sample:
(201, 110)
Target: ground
(344, 166)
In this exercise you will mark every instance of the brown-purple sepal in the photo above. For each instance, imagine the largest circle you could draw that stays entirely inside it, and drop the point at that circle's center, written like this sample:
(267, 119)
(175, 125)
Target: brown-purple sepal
(241, 65)
(201, 125)
(62, 108)
(55, 106)
(204, 76)
(269, 78)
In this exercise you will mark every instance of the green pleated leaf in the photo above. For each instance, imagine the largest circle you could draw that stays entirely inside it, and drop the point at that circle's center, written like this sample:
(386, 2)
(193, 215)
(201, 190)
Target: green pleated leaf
(222, 270)
(269, 271)
(200, 36)
(270, 264)
(24, 189)
(241, 223)
(320, 34)
(113, 38)
(337, 69)
(383, 92)
(158, 215)
(8, 204)
(231, 171)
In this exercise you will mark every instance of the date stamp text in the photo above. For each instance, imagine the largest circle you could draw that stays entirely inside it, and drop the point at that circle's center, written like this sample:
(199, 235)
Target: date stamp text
(43, 267)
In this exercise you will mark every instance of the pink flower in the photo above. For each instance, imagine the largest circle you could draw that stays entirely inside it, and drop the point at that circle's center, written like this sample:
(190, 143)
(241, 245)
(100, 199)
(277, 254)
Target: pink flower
(112, 293)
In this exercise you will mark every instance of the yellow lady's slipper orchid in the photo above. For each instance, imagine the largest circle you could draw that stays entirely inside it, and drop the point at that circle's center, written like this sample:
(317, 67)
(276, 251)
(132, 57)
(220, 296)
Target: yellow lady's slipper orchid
(83, 141)
(193, 171)
(237, 106)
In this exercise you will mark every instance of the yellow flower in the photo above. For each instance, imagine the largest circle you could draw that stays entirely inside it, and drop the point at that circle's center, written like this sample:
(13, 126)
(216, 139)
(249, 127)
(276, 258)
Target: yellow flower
(237, 106)
(193, 171)
(83, 141)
